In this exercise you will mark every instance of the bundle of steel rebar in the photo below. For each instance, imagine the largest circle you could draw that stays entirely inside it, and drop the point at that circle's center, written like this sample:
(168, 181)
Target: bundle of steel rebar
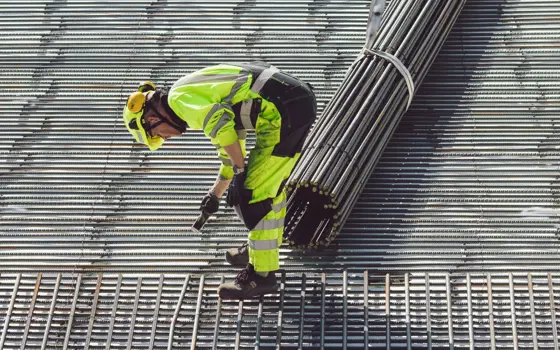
(356, 125)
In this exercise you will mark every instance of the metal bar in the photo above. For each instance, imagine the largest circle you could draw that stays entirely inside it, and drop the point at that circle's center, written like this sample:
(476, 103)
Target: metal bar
(113, 312)
(217, 323)
(176, 313)
(156, 312)
(72, 311)
(388, 311)
(280, 311)
(491, 312)
(532, 310)
(552, 311)
(323, 295)
(428, 311)
(259, 324)
(51, 311)
(239, 325)
(134, 312)
(470, 312)
(198, 312)
(375, 13)
(345, 309)
(449, 313)
(93, 311)
(29, 314)
(407, 311)
(513, 316)
(366, 310)
(302, 311)
(9, 312)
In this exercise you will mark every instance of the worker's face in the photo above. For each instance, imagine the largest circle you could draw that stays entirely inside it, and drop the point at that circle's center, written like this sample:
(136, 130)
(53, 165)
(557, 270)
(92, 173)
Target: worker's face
(160, 129)
(157, 123)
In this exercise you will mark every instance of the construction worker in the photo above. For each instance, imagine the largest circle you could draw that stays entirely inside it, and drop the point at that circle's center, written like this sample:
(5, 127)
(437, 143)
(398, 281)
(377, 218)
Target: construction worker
(225, 101)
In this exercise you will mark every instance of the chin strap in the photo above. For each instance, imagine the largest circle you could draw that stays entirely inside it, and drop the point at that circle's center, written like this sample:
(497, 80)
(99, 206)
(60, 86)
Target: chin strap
(179, 128)
(176, 122)
(163, 120)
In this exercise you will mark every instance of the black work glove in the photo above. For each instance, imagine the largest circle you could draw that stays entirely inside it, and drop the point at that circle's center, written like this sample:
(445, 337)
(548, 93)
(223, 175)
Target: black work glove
(236, 190)
(210, 203)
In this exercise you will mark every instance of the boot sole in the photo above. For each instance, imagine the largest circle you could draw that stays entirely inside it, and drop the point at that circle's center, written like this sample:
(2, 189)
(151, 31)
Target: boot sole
(275, 291)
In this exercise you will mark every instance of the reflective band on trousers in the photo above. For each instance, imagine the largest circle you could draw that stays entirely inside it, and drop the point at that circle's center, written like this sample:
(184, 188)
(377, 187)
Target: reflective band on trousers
(278, 207)
(263, 245)
(269, 225)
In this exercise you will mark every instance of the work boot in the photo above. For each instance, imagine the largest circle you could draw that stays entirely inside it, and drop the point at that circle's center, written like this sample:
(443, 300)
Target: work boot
(238, 256)
(248, 284)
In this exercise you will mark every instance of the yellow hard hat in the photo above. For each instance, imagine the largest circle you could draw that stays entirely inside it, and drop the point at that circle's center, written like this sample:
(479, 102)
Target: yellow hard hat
(132, 116)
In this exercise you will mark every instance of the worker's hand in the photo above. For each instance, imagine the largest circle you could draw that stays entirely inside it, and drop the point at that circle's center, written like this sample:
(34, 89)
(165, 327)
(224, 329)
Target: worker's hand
(236, 190)
(210, 203)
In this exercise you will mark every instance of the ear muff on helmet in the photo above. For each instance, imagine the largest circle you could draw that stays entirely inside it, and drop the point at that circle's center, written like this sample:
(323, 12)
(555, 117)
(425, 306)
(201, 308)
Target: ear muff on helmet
(137, 100)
